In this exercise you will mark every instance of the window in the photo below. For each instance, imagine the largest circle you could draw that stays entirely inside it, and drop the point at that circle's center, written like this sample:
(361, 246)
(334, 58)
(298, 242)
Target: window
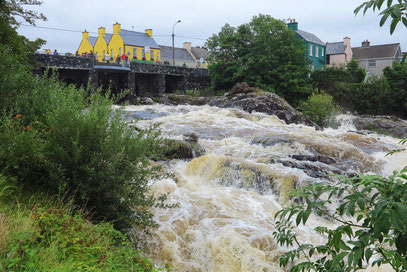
(111, 52)
(143, 54)
(310, 49)
(120, 51)
(316, 51)
(372, 63)
(135, 53)
(322, 52)
(151, 54)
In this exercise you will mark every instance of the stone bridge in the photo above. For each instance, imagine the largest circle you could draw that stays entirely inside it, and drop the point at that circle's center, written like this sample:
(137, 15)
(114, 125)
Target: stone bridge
(140, 78)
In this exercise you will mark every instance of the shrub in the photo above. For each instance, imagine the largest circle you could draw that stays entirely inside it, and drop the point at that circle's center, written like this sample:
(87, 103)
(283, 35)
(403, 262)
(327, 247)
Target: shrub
(319, 107)
(193, 93)
(62, 140)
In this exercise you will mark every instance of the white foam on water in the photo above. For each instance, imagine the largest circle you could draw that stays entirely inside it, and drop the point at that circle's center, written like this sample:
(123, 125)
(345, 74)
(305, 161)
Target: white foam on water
(228, 197)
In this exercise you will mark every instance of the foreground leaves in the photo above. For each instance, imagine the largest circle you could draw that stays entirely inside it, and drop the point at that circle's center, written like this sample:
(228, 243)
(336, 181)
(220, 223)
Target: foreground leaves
(371, 218)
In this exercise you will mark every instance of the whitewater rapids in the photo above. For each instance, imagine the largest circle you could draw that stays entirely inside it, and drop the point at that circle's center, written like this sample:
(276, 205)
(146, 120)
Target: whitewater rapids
(229, 196)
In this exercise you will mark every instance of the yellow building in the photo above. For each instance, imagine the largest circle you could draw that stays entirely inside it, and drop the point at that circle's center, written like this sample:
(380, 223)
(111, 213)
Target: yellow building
(101, 45)
(136, 45)
(87, 43)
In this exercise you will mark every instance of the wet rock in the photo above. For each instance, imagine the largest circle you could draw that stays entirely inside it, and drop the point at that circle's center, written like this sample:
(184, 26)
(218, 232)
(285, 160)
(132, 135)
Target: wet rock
(251, 100)
(271, 140)
(313, 169)
(191, 137)
(387, 125)
(183, 99)
(146, 101)
(314, 158)
(176, 149)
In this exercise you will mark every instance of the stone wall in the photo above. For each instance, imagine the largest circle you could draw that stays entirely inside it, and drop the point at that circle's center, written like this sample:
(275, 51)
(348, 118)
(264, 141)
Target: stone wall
(142, 79)
(60, 61)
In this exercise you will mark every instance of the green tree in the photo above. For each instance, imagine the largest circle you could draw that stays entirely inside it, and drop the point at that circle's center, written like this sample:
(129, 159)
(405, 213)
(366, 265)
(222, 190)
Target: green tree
(356, 73)
(396, 77)
(262, 53)
(10, 11)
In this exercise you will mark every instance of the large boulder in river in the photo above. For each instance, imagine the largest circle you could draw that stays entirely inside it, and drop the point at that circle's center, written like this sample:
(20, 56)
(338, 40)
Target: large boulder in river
(251, 99)
(387, 125)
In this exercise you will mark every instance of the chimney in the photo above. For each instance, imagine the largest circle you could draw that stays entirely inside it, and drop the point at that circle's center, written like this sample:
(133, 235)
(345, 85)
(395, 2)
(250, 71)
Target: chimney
(187, 46)
(116, 28)
(366, 43)
(346, 41)
(149, 32)
(101, 31)
(85, 35)
(293, 25)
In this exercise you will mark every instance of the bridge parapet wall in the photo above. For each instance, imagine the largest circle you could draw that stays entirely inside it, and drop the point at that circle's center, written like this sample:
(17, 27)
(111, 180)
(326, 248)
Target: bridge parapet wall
(68, 62)
(147, 68)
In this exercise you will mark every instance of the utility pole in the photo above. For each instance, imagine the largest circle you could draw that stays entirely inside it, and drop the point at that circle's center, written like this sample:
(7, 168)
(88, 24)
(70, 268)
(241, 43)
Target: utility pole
(173, 48)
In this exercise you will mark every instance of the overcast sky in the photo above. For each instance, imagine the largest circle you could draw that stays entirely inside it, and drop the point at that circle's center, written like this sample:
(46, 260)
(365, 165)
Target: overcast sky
(330, 20)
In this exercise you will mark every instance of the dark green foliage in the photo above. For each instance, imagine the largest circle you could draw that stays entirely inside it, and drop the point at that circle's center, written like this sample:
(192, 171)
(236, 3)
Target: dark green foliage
(58, 138)
(372, 218)
(357, 74)
(10, 10)
(396, 76)
(329, 76)
(386, 95)
(374, 97)
(320, 108)
(262, 53)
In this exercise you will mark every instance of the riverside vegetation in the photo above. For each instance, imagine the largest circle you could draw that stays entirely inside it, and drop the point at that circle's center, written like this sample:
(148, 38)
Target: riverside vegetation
(74, 177)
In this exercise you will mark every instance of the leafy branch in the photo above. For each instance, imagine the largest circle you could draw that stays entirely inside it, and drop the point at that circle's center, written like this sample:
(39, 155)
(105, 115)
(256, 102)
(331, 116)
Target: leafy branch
(375, 209)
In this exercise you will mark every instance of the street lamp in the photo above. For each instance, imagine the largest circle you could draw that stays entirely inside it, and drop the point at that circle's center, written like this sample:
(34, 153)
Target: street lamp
(173, 49)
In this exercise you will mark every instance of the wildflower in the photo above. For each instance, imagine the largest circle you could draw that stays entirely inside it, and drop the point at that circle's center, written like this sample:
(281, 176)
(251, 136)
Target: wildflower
(18, 116)
(27, 128)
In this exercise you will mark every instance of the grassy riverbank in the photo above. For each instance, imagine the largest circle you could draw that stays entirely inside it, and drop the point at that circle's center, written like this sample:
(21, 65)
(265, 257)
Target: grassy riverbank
(40, 233)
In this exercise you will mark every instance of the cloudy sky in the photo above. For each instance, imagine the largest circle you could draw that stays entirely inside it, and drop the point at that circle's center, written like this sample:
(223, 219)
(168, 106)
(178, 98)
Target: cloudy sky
(330, 20)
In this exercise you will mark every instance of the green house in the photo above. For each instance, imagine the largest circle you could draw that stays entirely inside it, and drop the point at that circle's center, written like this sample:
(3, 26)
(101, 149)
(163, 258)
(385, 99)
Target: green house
(315, 48)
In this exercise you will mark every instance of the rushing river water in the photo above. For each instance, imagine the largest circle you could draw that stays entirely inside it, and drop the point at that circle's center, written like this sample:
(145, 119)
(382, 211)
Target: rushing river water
(228, 197)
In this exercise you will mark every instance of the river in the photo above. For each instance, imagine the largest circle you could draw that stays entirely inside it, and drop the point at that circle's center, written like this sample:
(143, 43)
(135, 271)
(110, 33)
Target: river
(228, 197)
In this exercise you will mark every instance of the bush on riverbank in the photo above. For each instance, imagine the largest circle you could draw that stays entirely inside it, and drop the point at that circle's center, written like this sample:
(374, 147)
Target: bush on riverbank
(385, 95)
(320, 108)
(60, 139)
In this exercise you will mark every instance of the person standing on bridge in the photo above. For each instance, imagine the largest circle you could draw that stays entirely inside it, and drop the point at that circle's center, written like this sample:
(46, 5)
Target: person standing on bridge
(107, 58)
(123, 58)
(55, 52)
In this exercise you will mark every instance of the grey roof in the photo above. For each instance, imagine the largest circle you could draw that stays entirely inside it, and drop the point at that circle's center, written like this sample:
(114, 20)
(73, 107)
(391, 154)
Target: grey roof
(107, 38)
(92, 40)
(376, 51)
(199, 52)
(138, 39)
(179, 53)
(309, 37)
(335, 48)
